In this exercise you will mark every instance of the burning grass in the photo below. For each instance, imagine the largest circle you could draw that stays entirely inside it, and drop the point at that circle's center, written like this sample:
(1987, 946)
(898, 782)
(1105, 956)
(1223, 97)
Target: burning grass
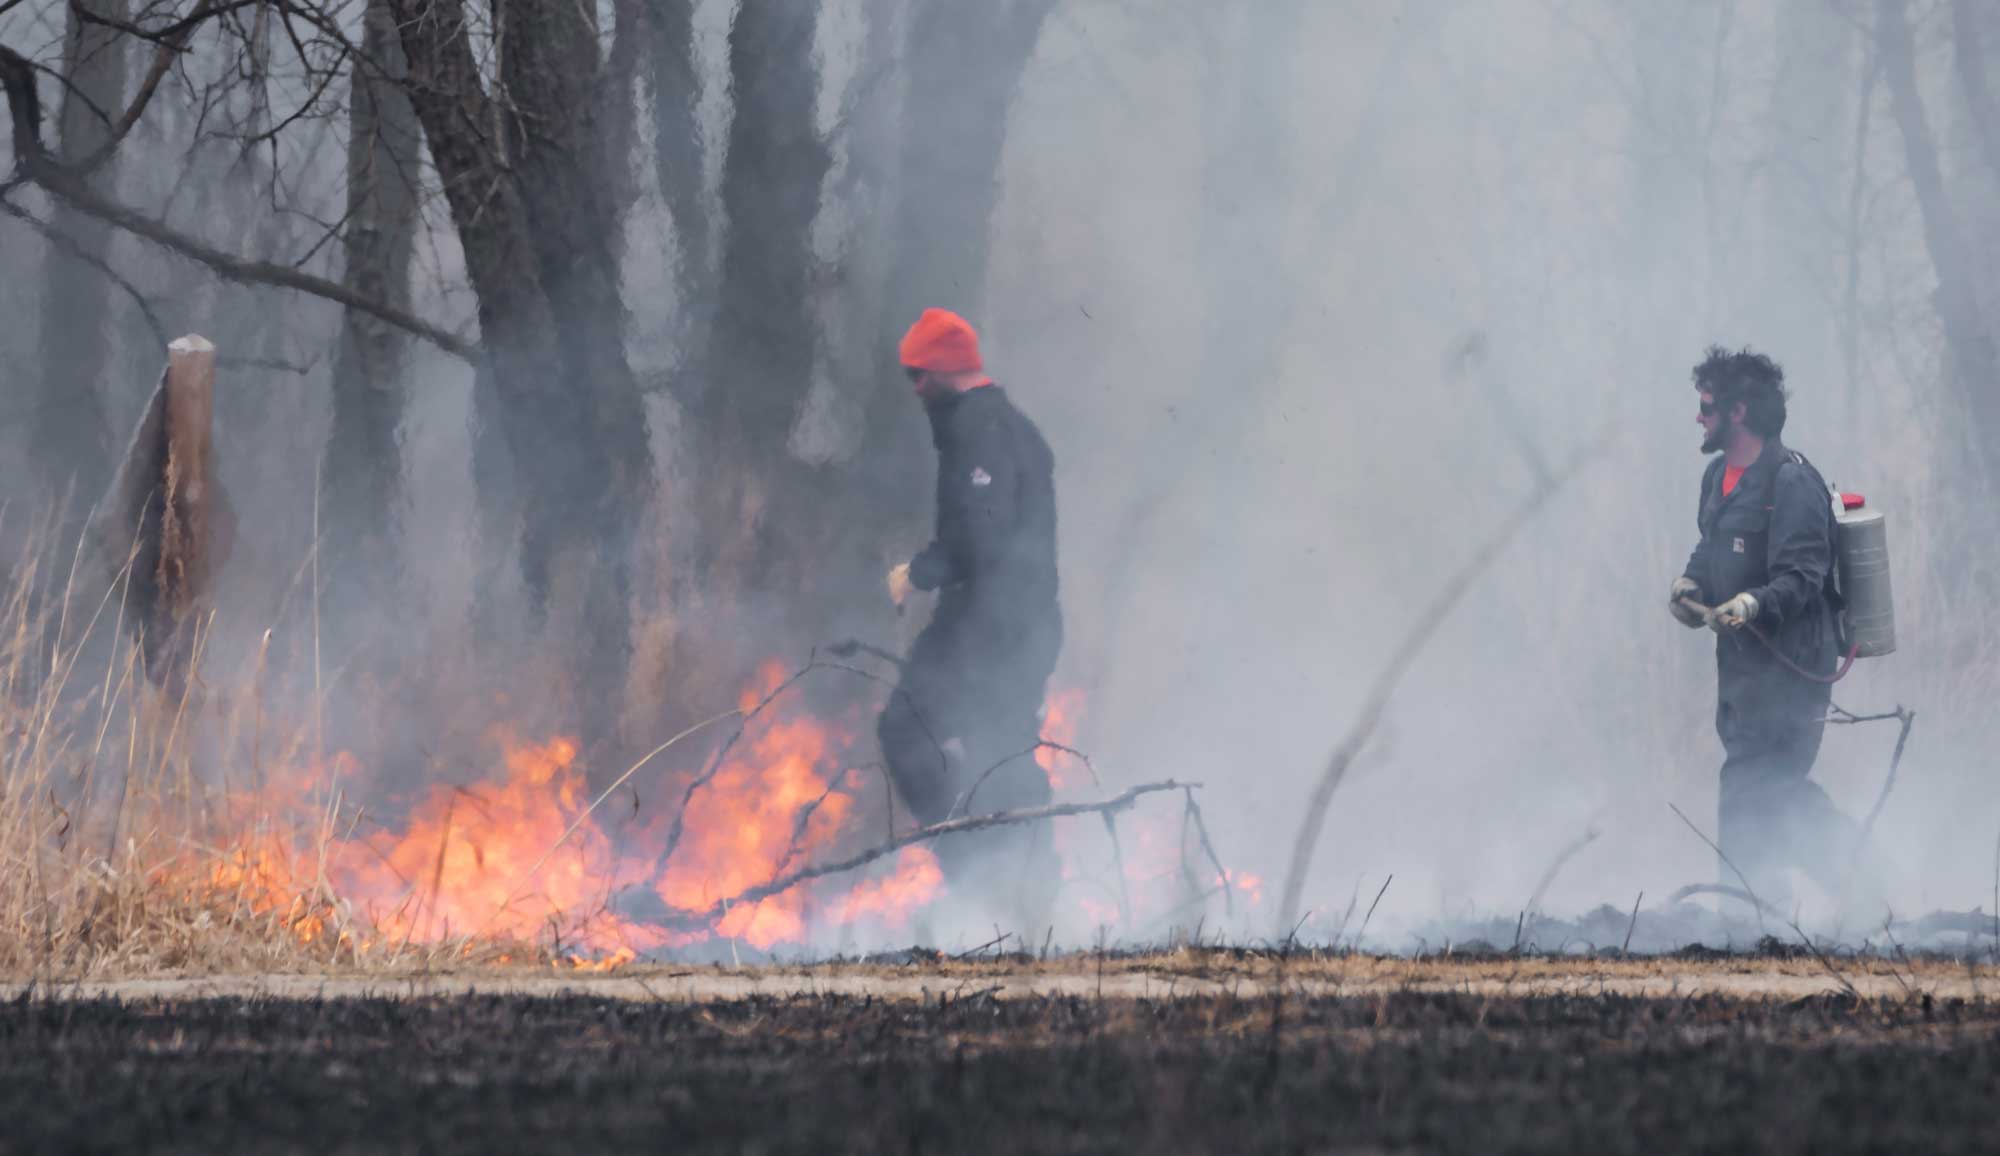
(201, 831)
(195, 831)
(173, 870)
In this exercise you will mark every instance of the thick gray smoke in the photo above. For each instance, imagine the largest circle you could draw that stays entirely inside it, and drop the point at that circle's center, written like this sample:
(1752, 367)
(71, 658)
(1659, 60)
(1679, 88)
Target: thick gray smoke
(1308, 299)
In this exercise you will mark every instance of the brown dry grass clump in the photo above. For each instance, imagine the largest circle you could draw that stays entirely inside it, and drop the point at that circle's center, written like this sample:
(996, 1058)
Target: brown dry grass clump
(149, 831)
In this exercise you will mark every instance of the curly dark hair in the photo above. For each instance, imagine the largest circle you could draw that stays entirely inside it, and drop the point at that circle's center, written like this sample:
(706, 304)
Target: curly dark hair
(1748, 377)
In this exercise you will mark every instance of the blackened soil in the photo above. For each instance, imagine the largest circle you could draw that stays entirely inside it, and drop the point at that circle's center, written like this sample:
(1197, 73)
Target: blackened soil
(1455, 1073)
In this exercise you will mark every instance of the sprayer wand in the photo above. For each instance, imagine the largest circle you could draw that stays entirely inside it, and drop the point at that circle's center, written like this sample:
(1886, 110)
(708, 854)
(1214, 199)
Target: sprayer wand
(1709, 616)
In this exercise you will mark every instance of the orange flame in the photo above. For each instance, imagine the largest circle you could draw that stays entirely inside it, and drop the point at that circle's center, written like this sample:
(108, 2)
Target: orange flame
(522, 856)
(1061, 714)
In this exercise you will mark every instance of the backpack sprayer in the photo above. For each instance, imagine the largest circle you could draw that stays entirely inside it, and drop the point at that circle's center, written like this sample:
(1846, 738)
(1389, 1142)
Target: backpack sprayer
(1857, 589)
(1866, 612)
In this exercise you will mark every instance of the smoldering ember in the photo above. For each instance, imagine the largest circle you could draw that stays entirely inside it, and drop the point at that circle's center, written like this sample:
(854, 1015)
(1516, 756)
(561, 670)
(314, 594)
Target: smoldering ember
(857, 575)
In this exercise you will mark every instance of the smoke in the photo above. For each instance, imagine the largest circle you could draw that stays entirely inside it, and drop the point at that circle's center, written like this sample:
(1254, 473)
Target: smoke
(1595, 194)
(1289, 287)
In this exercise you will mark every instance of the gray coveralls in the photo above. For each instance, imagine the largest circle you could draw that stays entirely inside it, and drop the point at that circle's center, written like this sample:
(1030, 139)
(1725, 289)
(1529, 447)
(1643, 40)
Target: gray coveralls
(1773, 536)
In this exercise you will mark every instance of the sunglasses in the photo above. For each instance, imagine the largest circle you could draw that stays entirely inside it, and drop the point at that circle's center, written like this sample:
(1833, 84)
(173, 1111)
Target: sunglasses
(915, 375)
(1710, 409)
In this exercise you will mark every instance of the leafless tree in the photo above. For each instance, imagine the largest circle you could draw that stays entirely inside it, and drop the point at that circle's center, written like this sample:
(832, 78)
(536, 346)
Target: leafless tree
(70, 420)
(383, 200)
(1972, 363)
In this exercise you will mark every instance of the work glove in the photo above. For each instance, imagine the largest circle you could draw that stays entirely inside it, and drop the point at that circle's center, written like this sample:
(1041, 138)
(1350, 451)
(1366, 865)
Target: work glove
(1685, 587)
(900, 585)
(1735, 612)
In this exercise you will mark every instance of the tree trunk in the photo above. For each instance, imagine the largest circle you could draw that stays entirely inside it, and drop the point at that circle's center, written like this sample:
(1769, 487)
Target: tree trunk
(760, 354)
(549, 63)
(362, 475)
(668, 72)
(618, 103)
(540, 410)
(963, 63)
(71, 436)
(1970, 345)
(1969, 49)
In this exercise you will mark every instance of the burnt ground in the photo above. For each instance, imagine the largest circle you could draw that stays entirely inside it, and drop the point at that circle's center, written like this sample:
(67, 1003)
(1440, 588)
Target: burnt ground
(1399, 1070)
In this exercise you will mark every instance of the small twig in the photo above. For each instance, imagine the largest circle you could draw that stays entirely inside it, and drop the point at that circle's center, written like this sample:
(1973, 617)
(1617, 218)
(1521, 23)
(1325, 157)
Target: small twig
(1907, 718)
(963, 804)
(972, 951)
(1371, 910)
(1353, 901)
(1759, 904)
(1208, 848)
(65, 243)
(1889, 931)
(578, 822)
(1626, 947)
(1824, 962)
(714, 766)
(805, 817)
(1562, 857)
(1118, 866)
(849, 647)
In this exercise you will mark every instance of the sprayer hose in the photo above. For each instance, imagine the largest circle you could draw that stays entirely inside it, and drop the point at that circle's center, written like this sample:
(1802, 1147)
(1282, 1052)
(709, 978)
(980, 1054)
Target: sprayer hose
(1846, 664)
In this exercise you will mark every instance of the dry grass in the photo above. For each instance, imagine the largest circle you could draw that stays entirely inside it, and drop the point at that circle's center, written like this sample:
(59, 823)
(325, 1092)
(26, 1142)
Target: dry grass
(151, 833)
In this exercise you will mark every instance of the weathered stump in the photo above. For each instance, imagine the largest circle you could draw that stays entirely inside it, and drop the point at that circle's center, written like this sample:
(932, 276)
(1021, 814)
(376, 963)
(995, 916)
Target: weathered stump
(164, 526)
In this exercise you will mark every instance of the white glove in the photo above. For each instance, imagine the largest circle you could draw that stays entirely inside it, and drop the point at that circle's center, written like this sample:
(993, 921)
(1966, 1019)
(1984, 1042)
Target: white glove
(900, 585)
(1684, 614)
(1735, 612)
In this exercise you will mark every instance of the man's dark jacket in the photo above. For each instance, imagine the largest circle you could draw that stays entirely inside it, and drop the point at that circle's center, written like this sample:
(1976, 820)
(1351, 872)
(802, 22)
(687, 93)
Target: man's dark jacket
(977, 672)
(994, 557)
(1772, 536)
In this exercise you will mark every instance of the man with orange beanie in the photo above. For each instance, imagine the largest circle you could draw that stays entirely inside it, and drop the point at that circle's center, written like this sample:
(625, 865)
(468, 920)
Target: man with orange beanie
(972, 687)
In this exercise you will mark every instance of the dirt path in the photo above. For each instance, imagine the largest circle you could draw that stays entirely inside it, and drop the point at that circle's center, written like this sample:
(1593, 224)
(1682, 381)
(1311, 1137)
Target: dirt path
(1147, 977)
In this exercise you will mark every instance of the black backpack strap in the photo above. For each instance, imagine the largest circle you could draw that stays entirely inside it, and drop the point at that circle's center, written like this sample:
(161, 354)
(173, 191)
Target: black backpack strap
(1830, 590)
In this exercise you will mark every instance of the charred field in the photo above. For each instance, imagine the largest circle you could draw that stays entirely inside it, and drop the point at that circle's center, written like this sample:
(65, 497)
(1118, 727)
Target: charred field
(1223, 1053)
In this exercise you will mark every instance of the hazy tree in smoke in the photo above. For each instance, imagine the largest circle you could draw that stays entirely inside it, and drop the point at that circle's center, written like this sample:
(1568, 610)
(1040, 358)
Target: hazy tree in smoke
(71, 435)
(362, 472)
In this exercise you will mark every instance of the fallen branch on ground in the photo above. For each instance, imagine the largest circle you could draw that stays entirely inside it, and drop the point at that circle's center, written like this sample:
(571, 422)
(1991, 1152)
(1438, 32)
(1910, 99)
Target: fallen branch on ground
(683, 919)
(1727, 892)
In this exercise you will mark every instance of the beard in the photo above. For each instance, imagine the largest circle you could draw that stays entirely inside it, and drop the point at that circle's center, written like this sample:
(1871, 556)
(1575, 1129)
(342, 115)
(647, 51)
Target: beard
(1713, 443)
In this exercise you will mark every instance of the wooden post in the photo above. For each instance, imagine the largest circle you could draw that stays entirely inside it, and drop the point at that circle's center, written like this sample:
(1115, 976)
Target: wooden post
(184, 529)
(164, 522)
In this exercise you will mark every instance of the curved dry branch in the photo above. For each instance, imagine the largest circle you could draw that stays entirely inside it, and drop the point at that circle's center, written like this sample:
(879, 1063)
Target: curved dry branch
(1427, 623)
(1724, 890)
(683, 919)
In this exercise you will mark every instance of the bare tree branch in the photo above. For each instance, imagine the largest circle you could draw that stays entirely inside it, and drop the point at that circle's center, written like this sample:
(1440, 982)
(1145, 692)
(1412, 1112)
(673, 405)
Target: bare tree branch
(682, 919)
(68, 245)
(1427, 624)
(33, 163)
(164, 53)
